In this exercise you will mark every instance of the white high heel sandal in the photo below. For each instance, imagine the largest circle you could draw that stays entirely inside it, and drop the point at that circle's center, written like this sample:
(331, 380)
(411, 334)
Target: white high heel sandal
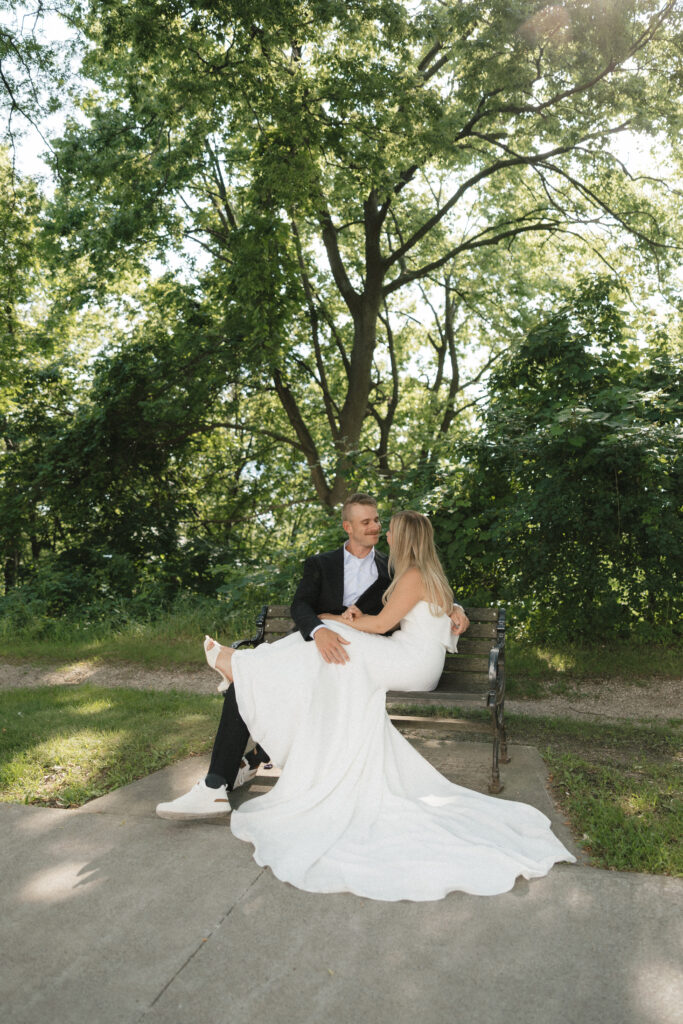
(212, 657)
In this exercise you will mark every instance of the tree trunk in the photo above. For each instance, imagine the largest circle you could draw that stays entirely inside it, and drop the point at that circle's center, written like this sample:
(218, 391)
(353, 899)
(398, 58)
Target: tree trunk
(355, 408)
(364, 309)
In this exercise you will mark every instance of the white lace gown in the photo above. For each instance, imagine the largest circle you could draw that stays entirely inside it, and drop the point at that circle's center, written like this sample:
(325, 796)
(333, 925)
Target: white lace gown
(356, 808)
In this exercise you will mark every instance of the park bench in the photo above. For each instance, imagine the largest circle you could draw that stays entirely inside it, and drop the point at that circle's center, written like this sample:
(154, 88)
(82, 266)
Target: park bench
(474, 677)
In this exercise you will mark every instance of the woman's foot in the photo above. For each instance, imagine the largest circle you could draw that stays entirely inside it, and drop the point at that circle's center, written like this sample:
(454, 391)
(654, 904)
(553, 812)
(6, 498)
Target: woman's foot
(219, 658)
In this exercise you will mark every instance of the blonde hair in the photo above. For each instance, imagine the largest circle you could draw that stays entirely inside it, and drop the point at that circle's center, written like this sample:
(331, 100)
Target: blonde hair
(412, 544)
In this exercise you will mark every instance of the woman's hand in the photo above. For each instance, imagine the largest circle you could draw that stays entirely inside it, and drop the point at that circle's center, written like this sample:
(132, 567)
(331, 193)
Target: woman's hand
(459, 621)
(351, 613)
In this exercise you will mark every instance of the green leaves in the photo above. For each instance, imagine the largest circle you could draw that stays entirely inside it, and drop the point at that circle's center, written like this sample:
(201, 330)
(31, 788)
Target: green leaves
(286, 245)
(576, 466)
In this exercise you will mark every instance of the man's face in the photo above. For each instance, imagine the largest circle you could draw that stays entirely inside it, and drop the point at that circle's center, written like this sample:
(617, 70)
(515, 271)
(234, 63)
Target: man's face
(362, 525)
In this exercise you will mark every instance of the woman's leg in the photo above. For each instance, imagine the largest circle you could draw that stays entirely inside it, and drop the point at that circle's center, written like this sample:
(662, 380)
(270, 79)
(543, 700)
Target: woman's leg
(224, 661)
(220, 660)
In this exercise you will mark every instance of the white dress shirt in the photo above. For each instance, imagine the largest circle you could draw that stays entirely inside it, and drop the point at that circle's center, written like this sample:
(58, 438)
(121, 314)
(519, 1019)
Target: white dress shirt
(359, 574)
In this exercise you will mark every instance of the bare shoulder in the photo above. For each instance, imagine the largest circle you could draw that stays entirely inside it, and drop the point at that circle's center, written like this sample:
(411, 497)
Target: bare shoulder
(411, 582)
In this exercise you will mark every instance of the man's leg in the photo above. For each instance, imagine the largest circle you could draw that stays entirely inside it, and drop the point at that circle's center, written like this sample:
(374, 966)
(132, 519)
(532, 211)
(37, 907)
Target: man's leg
(208, 798)
(232, 736)
(229, 745)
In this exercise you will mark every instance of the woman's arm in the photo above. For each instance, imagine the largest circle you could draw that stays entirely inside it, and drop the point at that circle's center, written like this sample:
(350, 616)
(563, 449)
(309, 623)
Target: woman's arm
(409, 590)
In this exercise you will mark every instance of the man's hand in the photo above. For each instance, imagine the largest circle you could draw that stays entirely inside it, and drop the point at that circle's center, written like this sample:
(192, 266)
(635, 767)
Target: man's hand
(351, 613)
(330, 646)
(459, 621)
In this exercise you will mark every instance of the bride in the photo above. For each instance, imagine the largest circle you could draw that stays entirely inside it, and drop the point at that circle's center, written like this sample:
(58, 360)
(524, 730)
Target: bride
(356, 808)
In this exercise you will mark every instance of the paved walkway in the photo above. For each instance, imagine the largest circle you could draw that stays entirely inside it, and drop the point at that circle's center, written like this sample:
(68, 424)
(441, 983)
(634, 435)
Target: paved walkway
(112, 916)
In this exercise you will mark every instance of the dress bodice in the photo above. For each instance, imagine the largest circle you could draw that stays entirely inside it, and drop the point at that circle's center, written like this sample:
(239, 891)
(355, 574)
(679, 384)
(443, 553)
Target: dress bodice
(420, 625)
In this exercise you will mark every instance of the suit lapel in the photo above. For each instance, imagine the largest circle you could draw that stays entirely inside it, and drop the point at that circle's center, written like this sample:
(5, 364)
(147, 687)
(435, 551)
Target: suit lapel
(382, 569)
(337, 581)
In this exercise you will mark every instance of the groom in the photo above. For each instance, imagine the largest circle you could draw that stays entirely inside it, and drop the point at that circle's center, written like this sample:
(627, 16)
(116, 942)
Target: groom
(354, 575)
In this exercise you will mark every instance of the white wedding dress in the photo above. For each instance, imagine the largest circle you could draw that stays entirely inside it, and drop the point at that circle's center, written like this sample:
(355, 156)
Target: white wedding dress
(356, 808)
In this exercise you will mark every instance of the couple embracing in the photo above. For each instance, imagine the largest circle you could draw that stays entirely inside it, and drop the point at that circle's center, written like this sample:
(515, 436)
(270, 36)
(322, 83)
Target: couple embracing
(356, 808)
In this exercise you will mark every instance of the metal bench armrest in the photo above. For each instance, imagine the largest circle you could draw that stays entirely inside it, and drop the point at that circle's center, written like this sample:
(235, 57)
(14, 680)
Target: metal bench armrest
(254, 641)
(496, 692)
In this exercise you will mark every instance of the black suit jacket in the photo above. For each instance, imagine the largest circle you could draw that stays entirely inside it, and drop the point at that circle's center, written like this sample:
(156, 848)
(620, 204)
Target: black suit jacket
(322, 590)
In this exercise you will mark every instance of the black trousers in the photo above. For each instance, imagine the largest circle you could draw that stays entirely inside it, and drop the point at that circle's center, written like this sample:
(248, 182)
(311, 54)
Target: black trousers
(231, 741)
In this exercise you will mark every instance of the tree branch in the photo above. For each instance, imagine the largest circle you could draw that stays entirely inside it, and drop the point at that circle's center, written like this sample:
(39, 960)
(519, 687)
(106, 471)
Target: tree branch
(220, 185)
(611, 66)
(308, 445)
(330, 410)
(341, 279)
(256, 429)
(476, 243)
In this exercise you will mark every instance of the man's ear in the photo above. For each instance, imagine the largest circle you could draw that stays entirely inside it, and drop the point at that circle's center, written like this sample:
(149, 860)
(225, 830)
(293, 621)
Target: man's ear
(346, 526)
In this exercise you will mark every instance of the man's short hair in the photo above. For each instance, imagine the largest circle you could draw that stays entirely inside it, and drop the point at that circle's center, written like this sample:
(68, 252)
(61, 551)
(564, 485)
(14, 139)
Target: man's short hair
(359, 498)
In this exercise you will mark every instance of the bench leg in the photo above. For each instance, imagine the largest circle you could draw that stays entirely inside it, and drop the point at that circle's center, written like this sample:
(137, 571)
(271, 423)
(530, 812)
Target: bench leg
(500, 726)
(495, 785)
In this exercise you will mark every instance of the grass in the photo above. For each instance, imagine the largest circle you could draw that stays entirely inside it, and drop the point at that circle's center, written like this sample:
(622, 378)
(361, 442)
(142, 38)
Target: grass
(531, 667)
(63, 746)
(619, 784)
(171, 639)
(628, 819)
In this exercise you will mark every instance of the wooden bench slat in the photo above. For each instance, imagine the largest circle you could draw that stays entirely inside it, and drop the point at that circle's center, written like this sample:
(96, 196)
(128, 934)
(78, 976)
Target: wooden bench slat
(280, 611)
(472, 646)
(279, 624)
(439, 696)
(481, 630)
(463, 663)
(408, 722)
(470, 682)
(481, 614)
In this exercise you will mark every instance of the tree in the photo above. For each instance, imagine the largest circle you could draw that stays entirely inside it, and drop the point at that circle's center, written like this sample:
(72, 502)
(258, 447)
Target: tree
(101, 459)
(400, 143)
(32, 71)
(20, 205)
(570, 507)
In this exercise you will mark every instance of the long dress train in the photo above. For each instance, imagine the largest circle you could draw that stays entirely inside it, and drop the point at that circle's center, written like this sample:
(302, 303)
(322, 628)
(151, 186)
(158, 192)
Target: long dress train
(356, 808)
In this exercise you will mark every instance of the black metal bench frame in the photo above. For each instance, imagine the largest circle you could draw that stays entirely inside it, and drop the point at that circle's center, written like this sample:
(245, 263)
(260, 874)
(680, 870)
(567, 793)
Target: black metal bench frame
(473, 678)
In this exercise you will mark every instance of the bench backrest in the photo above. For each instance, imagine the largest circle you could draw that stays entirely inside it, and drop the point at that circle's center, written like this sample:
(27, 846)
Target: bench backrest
(464, 672)
(468, 670)
(277, 622)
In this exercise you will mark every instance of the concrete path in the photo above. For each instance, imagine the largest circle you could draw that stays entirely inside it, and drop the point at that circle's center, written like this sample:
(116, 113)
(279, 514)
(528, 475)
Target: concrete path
(110, 915)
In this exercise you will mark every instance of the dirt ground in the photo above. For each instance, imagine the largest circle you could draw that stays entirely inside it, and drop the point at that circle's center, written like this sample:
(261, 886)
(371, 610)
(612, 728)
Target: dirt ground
(592, 700)
(608, 700)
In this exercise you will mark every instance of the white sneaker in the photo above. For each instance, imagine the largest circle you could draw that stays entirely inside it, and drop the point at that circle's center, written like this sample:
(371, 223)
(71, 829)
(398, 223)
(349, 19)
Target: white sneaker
(244, 774)
(200, 802)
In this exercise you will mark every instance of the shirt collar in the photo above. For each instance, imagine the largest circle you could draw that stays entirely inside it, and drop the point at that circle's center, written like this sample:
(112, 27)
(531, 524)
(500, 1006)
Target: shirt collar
(348, 556)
